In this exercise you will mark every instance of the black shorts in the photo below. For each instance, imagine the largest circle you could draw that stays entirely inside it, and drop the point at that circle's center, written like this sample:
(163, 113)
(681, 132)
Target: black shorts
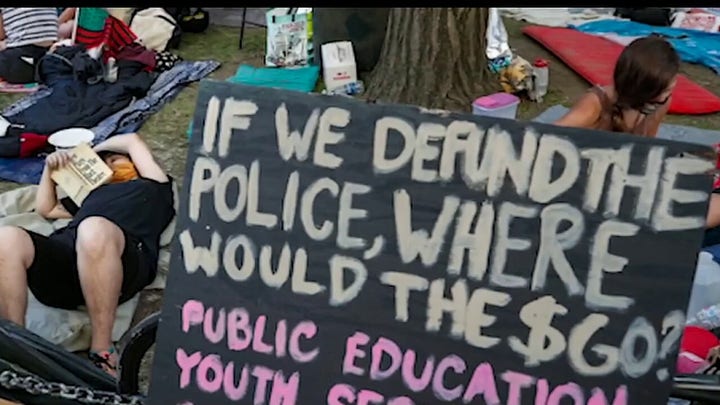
(17, 64)
(53, 276)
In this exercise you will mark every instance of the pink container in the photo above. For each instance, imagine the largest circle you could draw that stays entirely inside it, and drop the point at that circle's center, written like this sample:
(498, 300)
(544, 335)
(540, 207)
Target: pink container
(501, 105)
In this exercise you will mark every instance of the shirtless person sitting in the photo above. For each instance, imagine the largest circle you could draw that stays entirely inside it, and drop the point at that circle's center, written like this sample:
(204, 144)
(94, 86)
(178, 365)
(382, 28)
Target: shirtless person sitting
(644, 78)
(104, 256)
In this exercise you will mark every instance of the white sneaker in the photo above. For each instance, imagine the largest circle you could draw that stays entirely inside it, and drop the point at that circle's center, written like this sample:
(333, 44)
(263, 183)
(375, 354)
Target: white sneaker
(4, 125)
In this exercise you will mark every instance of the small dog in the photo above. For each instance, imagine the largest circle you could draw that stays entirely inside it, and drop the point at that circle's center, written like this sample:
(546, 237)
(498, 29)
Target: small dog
(518, 77)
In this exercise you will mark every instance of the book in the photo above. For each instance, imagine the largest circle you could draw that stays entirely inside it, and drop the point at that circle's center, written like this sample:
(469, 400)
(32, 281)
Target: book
(85, 172)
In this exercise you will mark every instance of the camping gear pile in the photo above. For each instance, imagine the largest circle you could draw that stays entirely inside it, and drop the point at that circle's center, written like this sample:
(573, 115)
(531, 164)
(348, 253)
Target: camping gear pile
(292, 46)
(289, 53)
(570, 34)
(515, 73)
(162, 28)
(107, 78)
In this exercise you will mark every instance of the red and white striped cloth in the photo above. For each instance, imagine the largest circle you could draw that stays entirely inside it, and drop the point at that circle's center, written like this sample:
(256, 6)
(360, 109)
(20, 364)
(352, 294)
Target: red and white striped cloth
(114, 37)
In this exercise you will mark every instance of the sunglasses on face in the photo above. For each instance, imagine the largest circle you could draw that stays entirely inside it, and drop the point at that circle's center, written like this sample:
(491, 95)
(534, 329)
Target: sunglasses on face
(661, 102)
(652, 106)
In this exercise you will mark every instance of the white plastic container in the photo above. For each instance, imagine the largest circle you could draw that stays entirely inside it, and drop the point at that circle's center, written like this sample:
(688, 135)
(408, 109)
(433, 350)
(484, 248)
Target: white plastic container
(500, 105)
(338, 63)
(69, 138)
(541, 73)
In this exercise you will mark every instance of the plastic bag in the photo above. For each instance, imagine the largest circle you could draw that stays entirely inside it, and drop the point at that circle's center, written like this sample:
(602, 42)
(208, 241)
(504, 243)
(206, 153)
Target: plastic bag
(497, 37)
(289, 37)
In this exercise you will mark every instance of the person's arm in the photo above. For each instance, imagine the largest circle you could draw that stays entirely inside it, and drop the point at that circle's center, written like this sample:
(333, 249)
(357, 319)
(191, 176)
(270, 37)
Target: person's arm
(46, 202)
(658, 118)
(2, 29)
(67, 15)
(584, 114)
(713, 216)
(139, 152)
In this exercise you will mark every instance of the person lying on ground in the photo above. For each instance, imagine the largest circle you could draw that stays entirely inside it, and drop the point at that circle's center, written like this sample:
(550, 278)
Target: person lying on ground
(27, 33)
(107, 253)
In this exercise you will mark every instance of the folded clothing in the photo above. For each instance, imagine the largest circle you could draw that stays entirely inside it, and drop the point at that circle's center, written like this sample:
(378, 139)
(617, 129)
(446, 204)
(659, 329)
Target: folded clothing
(695, 346)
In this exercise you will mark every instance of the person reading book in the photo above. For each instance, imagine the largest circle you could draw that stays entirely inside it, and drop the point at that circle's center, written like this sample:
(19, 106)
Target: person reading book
(106, 254)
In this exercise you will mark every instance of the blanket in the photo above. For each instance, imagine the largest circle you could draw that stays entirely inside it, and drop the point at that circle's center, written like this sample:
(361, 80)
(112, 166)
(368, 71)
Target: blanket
(692, 46)
(557, 16)
(129, 119)
(71, 329)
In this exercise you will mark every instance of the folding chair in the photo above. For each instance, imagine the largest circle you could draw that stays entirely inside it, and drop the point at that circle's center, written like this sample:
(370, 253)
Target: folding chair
(242, 26)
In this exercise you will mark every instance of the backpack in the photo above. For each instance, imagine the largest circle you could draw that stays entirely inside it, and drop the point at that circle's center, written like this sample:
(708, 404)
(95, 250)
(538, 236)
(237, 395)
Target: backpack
(646, 15)
(195, 20)
(156, 28)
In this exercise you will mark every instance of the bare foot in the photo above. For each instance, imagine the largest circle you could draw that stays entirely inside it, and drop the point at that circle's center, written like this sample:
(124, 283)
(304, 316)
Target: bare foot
(105, 360)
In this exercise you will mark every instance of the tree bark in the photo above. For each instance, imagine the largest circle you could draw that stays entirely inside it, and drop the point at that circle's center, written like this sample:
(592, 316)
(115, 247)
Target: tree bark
(434, 58)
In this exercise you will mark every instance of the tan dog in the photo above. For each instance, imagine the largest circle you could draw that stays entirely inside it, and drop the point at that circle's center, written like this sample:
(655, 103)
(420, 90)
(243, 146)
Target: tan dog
(518, 76)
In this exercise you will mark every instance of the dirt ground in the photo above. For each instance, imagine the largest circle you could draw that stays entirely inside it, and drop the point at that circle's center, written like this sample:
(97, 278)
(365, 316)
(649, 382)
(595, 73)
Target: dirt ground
(165, 131)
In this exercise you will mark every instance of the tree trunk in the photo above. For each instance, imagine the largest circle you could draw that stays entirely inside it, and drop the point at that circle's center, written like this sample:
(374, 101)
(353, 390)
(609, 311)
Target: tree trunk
(434, 58)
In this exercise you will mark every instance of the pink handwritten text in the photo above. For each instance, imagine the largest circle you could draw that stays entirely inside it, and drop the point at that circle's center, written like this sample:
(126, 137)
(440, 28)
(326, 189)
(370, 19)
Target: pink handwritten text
(241, 332)
(384, 359)
(272, 387)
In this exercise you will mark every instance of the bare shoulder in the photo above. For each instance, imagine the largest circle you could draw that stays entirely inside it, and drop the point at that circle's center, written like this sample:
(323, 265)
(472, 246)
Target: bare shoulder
(584, 113)
(590, 101)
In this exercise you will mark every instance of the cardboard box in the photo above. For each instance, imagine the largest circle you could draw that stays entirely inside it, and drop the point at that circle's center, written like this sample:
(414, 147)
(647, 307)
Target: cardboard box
(338, 62)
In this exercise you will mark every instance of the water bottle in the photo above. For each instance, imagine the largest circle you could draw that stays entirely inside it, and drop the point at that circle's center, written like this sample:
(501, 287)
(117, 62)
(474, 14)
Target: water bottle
(112, 70)
(541, 74)
(349, 89)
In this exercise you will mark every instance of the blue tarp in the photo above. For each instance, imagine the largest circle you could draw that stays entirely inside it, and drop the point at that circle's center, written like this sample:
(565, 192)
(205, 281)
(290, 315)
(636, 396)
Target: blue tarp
(693, 46)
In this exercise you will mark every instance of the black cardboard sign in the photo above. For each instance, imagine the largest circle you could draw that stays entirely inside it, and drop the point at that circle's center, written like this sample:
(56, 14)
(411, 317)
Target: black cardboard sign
(335, 252)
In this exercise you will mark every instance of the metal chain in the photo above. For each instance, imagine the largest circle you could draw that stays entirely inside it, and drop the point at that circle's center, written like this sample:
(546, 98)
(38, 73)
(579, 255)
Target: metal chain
(36, 386)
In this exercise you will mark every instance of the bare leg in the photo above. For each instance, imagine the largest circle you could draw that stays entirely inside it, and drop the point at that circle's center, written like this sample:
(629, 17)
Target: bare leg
(99, 246)
(713, 216)
(65, 29)
(17, 253)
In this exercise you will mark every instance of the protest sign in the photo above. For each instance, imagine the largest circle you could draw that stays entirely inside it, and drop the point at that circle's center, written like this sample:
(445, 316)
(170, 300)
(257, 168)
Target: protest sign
(331, 251)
